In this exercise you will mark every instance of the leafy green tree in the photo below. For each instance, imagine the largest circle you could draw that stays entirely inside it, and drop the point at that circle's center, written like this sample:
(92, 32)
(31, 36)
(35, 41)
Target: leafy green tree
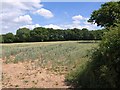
(22, 35)
(98, 34)
(39, 34)
(8, 38)
(85, 34)
(108, 15)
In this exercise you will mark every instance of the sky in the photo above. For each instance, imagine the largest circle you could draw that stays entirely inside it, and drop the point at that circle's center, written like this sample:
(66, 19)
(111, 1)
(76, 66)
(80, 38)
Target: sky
(35, 13)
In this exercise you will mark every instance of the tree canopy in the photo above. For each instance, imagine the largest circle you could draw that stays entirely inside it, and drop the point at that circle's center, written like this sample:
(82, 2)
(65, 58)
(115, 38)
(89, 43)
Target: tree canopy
(8, 38)
(108, 15)
(22, 34)
(40, 34)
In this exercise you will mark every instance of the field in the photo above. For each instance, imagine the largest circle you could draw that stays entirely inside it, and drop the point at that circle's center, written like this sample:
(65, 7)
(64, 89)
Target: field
(42, 64)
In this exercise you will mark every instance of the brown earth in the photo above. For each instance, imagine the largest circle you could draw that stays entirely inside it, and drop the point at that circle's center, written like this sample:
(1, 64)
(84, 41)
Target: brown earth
(26, 75)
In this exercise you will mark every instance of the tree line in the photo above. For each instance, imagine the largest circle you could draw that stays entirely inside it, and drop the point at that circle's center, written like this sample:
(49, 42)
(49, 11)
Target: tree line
(40, 34)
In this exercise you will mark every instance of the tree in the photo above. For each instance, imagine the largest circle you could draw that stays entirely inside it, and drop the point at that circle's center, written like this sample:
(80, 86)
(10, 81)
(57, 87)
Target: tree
(22, 35)
(8, 38)
(108, 15)
(39, 34)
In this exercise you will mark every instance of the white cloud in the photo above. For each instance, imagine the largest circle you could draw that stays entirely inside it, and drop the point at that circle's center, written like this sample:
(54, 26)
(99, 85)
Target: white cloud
(66, 26)
(45, 13)
(15, 11)
(71, 26)
(81, 22)
(21, 4)
(77, 17)
(76, 22)
(31, 26)
(52, 26)
(23, 19)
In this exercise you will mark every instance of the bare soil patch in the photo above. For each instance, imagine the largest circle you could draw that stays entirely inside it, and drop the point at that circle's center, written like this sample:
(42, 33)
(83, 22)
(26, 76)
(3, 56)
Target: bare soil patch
(26, 75)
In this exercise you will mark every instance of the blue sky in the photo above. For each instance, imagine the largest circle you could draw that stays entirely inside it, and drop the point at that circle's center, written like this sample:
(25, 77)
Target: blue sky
(63, 11)
(57, 15)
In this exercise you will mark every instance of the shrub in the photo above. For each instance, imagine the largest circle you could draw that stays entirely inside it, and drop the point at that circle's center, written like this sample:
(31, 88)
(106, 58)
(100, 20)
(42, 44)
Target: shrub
(103, 70)
(106, 59)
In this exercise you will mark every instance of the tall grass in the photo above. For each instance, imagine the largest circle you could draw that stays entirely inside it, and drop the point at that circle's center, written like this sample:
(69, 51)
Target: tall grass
(54, 54)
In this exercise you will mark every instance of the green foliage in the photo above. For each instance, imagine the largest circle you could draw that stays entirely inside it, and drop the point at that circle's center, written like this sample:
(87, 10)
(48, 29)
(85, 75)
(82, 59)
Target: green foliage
(40, 34)
(107, 58)
(103, 70)
(22, 35)
(108, 15)
(8, 38)
(1, 39)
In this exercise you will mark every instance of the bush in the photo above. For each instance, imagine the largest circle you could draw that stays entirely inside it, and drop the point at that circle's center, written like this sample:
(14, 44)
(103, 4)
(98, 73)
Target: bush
(103, 70)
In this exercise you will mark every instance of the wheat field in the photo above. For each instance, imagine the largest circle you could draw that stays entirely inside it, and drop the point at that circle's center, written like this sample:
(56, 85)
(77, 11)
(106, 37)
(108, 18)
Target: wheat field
(61, 53)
